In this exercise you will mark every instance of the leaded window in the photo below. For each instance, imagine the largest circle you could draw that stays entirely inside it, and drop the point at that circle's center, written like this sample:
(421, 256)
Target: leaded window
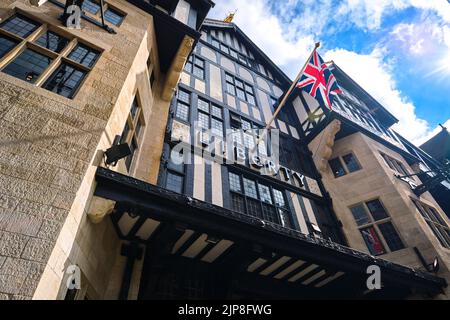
(195, 66)
(340, 166)
(52, 41)
(376, 227)
(210, 116)
(435, 222)
(239, 88)
(258, 199)
(183, 105)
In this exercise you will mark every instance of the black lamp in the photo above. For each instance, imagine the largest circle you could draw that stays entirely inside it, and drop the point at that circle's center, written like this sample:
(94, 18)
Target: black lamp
(117, 151)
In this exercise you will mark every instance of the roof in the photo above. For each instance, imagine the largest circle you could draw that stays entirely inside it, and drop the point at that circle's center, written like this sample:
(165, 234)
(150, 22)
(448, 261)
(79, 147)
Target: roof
(212, 23)
(439, 145)
(380, 112)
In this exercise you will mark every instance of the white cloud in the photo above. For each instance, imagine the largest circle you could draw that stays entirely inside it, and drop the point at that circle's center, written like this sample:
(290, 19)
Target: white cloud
(287, 30)
(378, 82)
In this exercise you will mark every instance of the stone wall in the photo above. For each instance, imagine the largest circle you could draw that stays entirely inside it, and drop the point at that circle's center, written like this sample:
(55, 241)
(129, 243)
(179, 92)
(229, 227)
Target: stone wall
(48, 153)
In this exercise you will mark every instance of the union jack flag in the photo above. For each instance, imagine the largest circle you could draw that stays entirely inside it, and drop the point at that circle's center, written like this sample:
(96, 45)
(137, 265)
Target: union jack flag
(318, 80)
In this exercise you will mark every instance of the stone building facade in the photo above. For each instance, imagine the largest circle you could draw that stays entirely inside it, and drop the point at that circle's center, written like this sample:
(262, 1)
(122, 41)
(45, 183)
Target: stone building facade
(54, 131)
(157, 77)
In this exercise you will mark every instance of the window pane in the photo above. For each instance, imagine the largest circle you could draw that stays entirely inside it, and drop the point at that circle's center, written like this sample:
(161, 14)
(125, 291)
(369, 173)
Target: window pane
(182, 111)
(124, 135)
(138, 127)
(134, 108)
(360, 215)
(174, 182)
(176, 161)
(372, 241)
(113, 16)
(254, 208)
(230, 89)
(279, 199)
(6, 44)
(224, 48)
(20, 25)
(390, 236)
(90, 6)
(184, 96)
(251, 99)
(129, 159)
(65, 80)
(233, 53)
(203, 105)
(215, 43)
(199, 62)
(264, 193)
(203, 120)
(28, 65)
(198, 72)
(239, 84)
(246, 125)
(269, 213)
(84, 55)
(337, 167)
(217, 127)
(351, 162)
(235, 184)
(436, 216)
(229, 78)
(188, 67)
(376, 209)
(52, 41)
(250, 188)
(216, 111)
(249, 141)
(237, 203)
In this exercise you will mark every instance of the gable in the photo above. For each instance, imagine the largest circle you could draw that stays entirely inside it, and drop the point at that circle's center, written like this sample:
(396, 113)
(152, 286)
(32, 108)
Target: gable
(228, 38)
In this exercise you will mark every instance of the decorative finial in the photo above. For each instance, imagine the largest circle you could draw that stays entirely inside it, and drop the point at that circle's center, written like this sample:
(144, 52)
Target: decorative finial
(230, 17)
(442, 126)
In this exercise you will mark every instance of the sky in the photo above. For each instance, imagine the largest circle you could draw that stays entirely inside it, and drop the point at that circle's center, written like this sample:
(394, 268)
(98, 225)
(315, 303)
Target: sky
(397, 50)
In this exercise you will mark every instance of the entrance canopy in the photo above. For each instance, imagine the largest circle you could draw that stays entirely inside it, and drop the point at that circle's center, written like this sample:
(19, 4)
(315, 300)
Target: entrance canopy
(258, 257)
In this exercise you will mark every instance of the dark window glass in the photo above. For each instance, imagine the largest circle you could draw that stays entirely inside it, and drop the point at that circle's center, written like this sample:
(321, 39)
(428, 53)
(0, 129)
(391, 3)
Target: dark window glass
(52, 41)
(372, 241)
(134, 108)
(20, 25)
(129, 159)
(184, 96)
(113, 16)
(376, 209)
(337, 167)
(391, 236)
(203, 105)
(6, 44)
(216, 111)
(269, 213)
(84, 55)
(182, 111)
(360, 215)
(90, 6)
(28, 65)
(351, 162)
(174, 182)
(152, 78)
(65, 80)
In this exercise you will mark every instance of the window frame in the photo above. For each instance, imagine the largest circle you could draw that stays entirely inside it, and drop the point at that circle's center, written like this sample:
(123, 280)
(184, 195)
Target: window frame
(173, 171)
(394, 164)
(191, 64)
(243, 132)
(211, 116)
(372, 223)
(133, 136)
(58, 58)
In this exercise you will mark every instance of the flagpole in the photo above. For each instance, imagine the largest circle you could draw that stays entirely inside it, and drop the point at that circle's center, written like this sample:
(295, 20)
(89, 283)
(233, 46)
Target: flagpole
(286, 96)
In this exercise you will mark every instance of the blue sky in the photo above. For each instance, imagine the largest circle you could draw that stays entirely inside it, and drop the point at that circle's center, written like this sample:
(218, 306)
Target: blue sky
(398, 50)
